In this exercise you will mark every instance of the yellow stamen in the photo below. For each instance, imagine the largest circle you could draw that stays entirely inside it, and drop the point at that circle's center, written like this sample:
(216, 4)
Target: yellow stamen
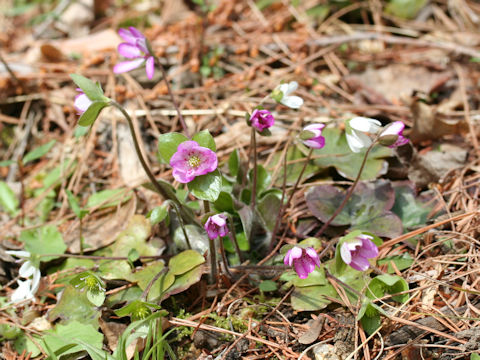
(194, 161)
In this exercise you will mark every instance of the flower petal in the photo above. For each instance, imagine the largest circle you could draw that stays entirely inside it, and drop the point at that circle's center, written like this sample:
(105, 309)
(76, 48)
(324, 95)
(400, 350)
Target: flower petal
(364, 124)
(127, 36)
(291, 87)
(300, 268)
(27, 269)
(182, 176)
(129, 51)
(293, 102)
(19, 253)
(312, 254)
(345, 253)
(150, 67)
(125, 66)
(136, 32)
(81, 103)
(359, 263)
(357, 140)
(395, 128)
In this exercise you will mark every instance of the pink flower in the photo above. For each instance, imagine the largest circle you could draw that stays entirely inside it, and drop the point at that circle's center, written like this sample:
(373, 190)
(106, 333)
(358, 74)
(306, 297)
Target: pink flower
(216, 226)
(395, 129)
(261, 119)
(82, 102)
(357, 252)
(304, 260)
(312, 137)
(135, 47)
(192, 160)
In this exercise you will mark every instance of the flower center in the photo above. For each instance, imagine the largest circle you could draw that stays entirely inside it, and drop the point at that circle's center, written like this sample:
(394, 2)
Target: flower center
(194, 161)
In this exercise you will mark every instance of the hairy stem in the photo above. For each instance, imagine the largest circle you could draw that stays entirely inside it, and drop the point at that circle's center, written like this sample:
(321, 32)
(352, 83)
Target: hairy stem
(348, 194)
(172, 97)
(213, 261)
(254, 177)
(176, 204)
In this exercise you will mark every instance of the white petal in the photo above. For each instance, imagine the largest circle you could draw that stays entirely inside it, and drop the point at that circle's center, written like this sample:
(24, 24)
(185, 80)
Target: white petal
(35, 281)
(291, 87)
(365, 124)
(358, 140)
(345, 253)
(27, 269)
(293, 102)
(22, 292)
(19, 253)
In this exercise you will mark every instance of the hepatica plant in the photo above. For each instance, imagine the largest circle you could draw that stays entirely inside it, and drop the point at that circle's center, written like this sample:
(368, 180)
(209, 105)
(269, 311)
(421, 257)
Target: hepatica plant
(237, 196)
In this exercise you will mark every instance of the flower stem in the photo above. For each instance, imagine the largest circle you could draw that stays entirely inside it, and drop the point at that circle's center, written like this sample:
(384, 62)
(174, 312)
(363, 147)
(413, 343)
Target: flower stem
(172, 97)
(224, 258)
(254, 177)
(285, 206)
(213, 261)
(348, 194)
(233, 238)
(182, 214)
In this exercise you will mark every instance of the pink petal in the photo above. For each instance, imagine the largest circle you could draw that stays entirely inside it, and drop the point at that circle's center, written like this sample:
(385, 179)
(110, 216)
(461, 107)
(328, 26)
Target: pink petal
(81, 103)
(300, 269)
(129, 51)
(313, 256)
(296, 252)
(182, 176)
(125, 66)
(314, 127)
(127, 36)
(394, 128)
(150, 67)
(360, 263)
(315, 143)
(136, 32)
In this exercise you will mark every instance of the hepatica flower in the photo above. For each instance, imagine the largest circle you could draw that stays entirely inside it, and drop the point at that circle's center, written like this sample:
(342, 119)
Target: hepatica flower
(282, 95)
(303, 260)
(135, 47)
(26, 289)
(192, 160)
(392, 136)
(357, 252)
(311, 136)
(216, 226)
(82, 102)
(261, 119)
(357, 132)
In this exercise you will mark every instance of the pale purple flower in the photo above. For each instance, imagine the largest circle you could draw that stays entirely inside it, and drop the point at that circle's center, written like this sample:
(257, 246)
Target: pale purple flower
(135, 47)
(261, 119)
(316, 141)
(82, 102)
(357, 130)
(192, 160)
(395, 128)
(303, 260)
(357, 252)
(216, 226)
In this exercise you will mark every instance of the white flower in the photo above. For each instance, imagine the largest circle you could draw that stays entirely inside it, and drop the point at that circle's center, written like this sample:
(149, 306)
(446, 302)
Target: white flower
(357, 129)
(293, 102)
(26, 289)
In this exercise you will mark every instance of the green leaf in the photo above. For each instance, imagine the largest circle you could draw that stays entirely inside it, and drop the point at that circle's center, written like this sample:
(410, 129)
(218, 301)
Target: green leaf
(411, 211)
(91, 114)
(337, 153)
(8, 199)
(93, 90)
(390, 284)
(43, 240)
(224, 203)
(6, 163)
(197, 236)
(63, 335)
(368, 208)
(401, 262)
(233, 163)
(158, 214)
(133, 255)
(38, 152)
(75, 206)
(184, 281)
(406, 9)
(268, 285)
(185, 261)
(96, 297)
(168, 144)
(312, 298)
(371, 318)
(268, 208)
(294, 168)
(108, 198)
(205, 139)
(145, 276)
(263, 179)
(317, 277)
(474, 356)
(74, 306)
(242, 243)
(206, 187)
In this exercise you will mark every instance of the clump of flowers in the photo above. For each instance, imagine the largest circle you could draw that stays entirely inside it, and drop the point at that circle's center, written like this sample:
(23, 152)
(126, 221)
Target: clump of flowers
(82, 102)
(192, 160)
(26, 288)
(356, 252)
(261, 119)
(216, 226)
(282, 94)
(311, 136)
(303, 260)
(135, 47)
